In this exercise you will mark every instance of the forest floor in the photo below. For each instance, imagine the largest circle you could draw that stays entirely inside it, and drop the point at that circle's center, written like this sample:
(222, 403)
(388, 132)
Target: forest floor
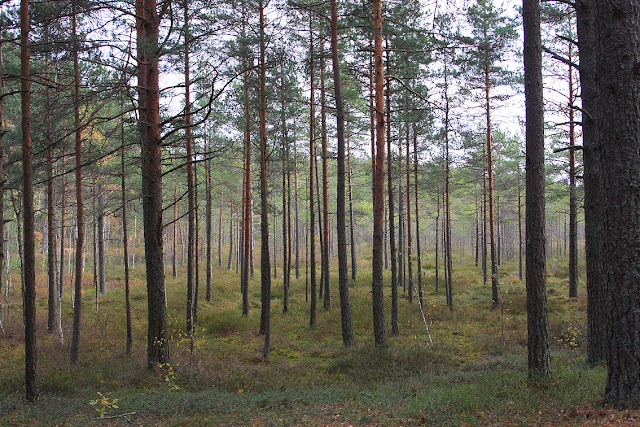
(474, 372)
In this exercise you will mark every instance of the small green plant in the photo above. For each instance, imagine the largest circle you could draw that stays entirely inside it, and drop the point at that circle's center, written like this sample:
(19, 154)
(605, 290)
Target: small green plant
(103, 404)
(571, 338)
(169, 376)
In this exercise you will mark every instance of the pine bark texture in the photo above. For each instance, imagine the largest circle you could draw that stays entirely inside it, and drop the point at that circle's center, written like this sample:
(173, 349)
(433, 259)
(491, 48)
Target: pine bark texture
(312, 158)
(617, 50)
(31, 374)
(593, 208)
(77, 300)
(147, 26)
(343, 275)
(265, 268)
(537, 319)
(379, 332)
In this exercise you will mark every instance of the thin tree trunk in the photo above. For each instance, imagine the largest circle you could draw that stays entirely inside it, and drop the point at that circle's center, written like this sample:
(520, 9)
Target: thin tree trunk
(63, 208)
(297, 231)
(401, 225)
(320, 233)
(345, 307)
(265, 268)
(51, 239)
(2, 131)
(408, 197)
(354, 259)
(175, 222)
(208, 213)
(31, 373)
(101, 250)
(484, 228)
(285, 232)
(312, 157)
(95, 242)
(196, 245)
(415, 193)
(437, 251)
(230, 258)
(77, 301)
(573, 210)
(125, 241)
(447, 203)
(478, 230)
(191, 230)
(325, 185)
(495, 290)
(220, 231)
(395, 329)
(379, 332)
(519, 234)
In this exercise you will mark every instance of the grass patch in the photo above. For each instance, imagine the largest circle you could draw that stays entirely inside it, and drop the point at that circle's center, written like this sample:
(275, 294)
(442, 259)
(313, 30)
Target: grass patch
(473, 373)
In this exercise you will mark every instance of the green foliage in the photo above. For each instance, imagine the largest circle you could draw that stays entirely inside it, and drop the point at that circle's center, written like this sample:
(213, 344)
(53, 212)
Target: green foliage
(103, 404)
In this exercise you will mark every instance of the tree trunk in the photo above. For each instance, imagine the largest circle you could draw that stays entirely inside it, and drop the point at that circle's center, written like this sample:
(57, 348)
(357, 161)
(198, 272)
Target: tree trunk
(285, 232)
(437, 251)
(51, 239)
(379, 332)
(573, 211)
(484, 228)
(447, 203)
(354, 259)
(94, 246)
(101, 250)
(2, 242)
(617, 50)
(190, 187)
(495, 290)
(325, 185)
(395, 328)
(345, 307)
(312, 157)
(408, 197)
(297, 221)
(196, 245)
(593, 207)
(77, 301)
(147, 25)
(31, 373)
(478, 231)
(63, 208)
(230, 257)
(125, 241)
(265, 268)
(415, 193)
(537, 319)
(174, 238)
(519, 234)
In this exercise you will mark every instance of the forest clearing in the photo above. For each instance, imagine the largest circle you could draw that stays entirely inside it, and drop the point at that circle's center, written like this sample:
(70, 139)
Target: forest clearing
(272, 212)
(473, 373)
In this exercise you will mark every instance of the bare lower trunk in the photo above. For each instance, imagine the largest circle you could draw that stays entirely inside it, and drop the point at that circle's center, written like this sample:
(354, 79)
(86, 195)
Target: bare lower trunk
(147, 24)
(379, 332)
(31, 374)
(312, 156)
(265, 269)
(77, 301)
(537, 319)
(325, 187)
(345, 307)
